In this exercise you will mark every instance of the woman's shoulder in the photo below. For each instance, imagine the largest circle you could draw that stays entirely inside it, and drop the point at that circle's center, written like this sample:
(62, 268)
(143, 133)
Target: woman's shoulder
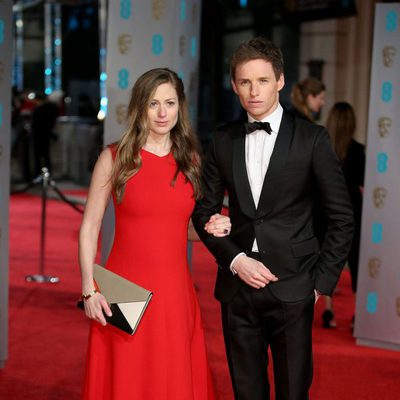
(111, 148)
(110, 151)
(357, 145)
(106, 157)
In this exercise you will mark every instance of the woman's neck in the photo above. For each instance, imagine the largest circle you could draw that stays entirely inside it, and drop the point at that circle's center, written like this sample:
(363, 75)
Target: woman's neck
(160, 145)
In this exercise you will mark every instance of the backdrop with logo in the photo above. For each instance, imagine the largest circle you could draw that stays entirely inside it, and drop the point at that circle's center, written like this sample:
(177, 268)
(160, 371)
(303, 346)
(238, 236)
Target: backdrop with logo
(5, 127)
(378, 296)
(142, 35)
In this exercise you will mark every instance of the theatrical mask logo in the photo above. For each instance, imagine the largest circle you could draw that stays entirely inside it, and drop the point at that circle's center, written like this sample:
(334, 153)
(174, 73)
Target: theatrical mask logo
(182, 45)
(2, 69)
(380, 194)
(374, 265)
(121, 113)
(124, 43)
(398, 306)
(388, 55)
(158, 8)
(384, 124)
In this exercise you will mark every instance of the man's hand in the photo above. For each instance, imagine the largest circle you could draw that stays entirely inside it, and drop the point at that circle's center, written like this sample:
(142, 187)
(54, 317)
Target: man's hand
(253, 272)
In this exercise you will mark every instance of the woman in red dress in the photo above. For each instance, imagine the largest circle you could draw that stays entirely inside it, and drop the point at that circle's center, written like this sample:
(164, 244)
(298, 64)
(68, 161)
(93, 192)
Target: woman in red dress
(153, 176)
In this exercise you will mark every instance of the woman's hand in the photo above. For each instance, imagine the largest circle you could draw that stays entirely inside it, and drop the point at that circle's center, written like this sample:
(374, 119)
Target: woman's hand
(94, 307)
(218, 225)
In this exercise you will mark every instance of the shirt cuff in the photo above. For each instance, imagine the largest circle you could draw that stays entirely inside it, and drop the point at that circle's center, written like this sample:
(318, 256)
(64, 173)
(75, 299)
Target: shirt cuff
(233, 261)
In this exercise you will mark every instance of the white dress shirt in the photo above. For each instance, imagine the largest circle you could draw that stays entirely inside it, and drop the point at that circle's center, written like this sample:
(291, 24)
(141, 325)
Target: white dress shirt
(258, 149)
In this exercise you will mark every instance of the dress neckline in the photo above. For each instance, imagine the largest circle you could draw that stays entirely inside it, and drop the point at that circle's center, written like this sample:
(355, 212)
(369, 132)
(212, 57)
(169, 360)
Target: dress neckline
(155, 155)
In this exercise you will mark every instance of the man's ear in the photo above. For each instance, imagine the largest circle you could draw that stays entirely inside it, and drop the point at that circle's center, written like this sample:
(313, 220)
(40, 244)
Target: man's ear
(234, 86)
(281, 82)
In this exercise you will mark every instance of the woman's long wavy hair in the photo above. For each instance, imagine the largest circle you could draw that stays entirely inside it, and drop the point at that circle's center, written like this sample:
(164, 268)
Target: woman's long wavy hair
(185, 149)
(300, 92)
(341, 125)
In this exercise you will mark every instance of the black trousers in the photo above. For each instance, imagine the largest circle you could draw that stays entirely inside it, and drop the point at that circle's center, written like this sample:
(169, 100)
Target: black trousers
(255, 320)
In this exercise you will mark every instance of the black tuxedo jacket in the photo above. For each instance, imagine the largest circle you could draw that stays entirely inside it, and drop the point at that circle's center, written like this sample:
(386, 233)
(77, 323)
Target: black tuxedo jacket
(303, 168)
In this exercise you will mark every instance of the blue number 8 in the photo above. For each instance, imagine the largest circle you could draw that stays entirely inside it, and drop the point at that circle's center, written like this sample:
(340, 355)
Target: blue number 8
(125, 9)
(183, 10)
(391, 21)
(382, 160)
(123, 78)
(372, 302)
(1, 31)
(193, 49)
(387, 92)
(157, 44)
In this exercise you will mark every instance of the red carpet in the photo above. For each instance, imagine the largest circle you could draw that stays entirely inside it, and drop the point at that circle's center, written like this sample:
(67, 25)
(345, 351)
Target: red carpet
(48, 334)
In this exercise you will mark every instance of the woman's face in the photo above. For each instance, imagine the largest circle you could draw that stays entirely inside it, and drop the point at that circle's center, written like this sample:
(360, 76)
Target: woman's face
(315, 103)
(162, 112)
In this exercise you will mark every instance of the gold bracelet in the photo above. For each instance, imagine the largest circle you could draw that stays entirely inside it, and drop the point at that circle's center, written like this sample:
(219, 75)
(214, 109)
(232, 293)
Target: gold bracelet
(89, 295)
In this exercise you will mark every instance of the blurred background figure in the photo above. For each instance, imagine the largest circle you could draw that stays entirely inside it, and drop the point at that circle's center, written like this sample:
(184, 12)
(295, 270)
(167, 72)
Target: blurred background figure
(23, 105)
(308, 97)
(341, 125)
(43, 121)
(16, 102)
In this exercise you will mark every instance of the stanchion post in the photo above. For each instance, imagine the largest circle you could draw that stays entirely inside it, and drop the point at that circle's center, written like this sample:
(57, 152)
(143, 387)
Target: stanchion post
(45, 184)
(41, 277)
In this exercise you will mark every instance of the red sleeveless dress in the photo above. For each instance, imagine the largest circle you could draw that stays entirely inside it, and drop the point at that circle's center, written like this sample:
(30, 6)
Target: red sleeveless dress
(166, 357)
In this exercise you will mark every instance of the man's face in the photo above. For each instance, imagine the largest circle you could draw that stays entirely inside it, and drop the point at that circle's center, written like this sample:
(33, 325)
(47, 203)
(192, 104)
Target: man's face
(257, 87)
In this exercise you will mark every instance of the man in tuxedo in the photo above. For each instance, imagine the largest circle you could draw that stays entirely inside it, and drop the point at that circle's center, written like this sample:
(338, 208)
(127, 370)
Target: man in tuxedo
(271, 268)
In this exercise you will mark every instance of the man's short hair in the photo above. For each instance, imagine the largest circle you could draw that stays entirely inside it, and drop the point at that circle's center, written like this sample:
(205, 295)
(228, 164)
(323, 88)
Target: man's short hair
(255, 49)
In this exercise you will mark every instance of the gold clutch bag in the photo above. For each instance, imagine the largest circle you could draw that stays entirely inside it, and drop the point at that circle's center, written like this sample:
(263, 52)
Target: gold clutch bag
(128, 301)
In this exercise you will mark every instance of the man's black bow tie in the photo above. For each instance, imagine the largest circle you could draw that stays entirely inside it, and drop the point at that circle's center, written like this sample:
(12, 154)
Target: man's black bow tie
(257, 125)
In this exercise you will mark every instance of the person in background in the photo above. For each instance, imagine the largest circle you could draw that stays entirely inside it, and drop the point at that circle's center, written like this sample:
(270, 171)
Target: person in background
(272, 268)
(341, 125)
(308, 97)
(22, 120)
(44, 119)
(153, 176)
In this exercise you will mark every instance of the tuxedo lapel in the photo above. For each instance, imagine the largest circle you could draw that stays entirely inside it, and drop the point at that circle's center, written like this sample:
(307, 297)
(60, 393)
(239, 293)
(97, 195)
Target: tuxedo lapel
(240, 177)
(271, 184)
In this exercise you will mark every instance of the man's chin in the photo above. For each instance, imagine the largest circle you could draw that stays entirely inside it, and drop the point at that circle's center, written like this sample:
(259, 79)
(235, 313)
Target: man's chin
(256, 114)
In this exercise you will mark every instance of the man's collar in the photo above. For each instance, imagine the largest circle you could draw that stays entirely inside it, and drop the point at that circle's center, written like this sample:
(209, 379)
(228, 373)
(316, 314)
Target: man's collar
(274, 118)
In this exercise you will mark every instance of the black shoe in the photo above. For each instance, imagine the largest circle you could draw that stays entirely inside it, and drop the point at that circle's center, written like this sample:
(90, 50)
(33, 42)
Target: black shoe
(328, 319)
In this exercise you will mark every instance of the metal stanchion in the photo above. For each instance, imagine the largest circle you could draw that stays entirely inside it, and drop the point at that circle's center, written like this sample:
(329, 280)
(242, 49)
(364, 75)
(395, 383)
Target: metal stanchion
(44, 178)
